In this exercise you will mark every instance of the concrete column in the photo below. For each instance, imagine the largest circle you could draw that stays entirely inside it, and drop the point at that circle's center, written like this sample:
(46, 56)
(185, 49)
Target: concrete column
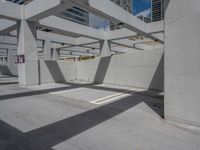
(4, 61)
(105, 48)
(10, 57)
(47, 49)
(10, 62)
(182, 62)
(56, 53)
(27, 46)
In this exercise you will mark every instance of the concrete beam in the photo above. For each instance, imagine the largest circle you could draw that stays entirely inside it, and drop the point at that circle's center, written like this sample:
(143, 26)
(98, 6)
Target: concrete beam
(9, 29)
(4, 24)
(85, 41)
(39, 9)
(56, 37)
(119, 34)
(41, 35)
(109, 10)
(155, 27)
(10, 11)
(61, 25)
(12, 41)
(129, 43)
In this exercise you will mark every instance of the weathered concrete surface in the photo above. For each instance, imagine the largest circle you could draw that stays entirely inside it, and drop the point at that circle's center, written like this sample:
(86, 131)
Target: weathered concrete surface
(32, 120)
(27, 46)
(142, 69)
(56, 71)
(182, 82)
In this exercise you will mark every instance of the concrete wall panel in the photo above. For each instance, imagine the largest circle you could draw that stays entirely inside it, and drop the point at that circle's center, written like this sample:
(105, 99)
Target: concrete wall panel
(56, 71)
(142, 69)
(182, 62)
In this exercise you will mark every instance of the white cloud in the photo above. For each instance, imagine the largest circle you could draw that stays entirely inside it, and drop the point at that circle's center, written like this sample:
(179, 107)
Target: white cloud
(145, 13)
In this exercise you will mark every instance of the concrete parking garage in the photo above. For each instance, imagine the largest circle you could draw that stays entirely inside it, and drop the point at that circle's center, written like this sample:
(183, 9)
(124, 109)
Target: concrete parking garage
(67, 85)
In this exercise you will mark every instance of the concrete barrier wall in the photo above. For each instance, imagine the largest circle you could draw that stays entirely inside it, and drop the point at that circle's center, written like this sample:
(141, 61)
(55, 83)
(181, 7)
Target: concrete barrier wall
(8, 70)
(144, 69)
(56, 71)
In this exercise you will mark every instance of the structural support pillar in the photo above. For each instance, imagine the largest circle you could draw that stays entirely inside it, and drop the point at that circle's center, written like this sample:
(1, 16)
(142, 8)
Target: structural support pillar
(4, 60)
(28, 70)
(56, 53)
(47, 49)
(105, 48)
(10, 61)
(10, 58)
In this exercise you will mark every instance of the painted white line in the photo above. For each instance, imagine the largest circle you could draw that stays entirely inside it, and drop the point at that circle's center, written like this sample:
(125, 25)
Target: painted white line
(112, 99)
(65, 91)
(100, 99)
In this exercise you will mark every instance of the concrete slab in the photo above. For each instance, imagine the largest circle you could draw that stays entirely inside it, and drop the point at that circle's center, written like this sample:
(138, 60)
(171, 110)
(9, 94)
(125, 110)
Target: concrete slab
(85, 94)
(136, 129)
(42, 121)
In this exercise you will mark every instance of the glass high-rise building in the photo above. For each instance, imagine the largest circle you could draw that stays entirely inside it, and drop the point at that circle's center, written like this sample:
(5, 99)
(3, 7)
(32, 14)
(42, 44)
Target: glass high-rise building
(77, 15)
(157, 10)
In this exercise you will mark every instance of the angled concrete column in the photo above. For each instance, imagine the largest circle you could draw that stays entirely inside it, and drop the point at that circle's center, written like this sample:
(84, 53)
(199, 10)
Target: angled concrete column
(182, 62)
(47, 49)
(105, 48)
(27, 47)
(56, 53)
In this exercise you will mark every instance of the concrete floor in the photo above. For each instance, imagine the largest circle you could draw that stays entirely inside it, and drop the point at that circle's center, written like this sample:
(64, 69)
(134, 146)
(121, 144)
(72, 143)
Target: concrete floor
(74, 116)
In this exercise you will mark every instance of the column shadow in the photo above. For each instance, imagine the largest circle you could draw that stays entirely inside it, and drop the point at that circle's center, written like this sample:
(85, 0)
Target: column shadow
(55, 71)
(102, 69)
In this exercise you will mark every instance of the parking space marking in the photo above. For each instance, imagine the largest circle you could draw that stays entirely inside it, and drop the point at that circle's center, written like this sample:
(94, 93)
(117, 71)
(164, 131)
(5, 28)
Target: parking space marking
(103, 98)
(65, 91)
(114, 96)
(111, 99)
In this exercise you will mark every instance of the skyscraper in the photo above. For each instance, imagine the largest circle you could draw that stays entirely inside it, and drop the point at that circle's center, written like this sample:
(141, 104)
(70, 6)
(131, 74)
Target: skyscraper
(77, 15)
(127, 5)
(157, 10)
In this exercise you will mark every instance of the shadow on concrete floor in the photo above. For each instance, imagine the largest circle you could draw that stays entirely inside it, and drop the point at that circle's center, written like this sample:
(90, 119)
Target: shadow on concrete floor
(158, 108)
(8, 83)
(102, 69)
(55, 71)
(46, 137)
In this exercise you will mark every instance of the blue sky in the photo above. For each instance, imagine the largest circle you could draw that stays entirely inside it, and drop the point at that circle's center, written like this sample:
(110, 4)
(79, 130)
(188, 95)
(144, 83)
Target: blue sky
(141, 5)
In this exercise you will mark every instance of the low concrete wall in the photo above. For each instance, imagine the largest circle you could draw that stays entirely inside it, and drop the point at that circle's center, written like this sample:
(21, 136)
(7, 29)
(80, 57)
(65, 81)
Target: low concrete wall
(144, 69)
(8, 70)
(56, 71)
